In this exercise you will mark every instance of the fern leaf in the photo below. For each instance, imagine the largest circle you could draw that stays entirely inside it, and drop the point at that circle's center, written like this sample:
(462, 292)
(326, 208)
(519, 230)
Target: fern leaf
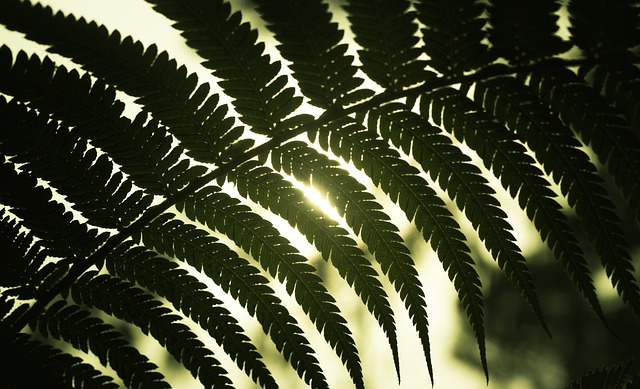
(460, 116)
(76, 326)
(241, 280)
(420, 204)
(525, 31)
(517, 107)
(312, 43)
(190, 296)
(520, 176)
(143, 150)
(618, 149)
(29, 363)
(85, 179)
(599, 126)
(453, 35)
(276, 255)
(230, 50)
(273, 192)
(386, 31)
(160, 85)
(127, 302)
(364, 216)
(63, 132)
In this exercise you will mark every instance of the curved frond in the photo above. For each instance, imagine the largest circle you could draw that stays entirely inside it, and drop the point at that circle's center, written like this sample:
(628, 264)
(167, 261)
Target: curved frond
(190, 296)
(453, 35)
(273, 192)
(420, 204)
(458, 116)
(241, 280)
(598, 125)
(364, 216)
(493, 144)
(127, 302)
(516, 106)
(277, 256)
(90, 334)
(617, 148)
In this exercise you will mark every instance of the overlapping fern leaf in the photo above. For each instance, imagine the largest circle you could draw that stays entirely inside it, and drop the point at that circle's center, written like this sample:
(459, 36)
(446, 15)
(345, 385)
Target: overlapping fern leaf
(131, 215)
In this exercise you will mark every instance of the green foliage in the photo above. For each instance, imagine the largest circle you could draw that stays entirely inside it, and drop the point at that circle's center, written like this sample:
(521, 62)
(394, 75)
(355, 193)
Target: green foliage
(104, 215)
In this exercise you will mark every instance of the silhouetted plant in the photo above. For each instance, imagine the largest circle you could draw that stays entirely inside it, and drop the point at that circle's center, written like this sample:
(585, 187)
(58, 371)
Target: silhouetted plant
(143, 203)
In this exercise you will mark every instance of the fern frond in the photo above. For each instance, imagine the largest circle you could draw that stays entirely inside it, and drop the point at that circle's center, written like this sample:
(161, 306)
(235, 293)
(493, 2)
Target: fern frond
(112, 247)
(258, 237)
(459, 116)
(229, 49)
(617, 148)
(312, 43)
(90, 334)
(242, 281)
(598, 125)
(420, 203)
(386, 30)
(363, 214)
(52, 153)
(190, 296)
(453, 34)
(516, 106)
(29, 363)
(127, 302)
(160, 85)
(273, 192)
(525, 31)
(143, 150)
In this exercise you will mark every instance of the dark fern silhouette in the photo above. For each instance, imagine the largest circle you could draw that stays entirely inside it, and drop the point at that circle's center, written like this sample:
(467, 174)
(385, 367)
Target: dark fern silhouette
(141, 203)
